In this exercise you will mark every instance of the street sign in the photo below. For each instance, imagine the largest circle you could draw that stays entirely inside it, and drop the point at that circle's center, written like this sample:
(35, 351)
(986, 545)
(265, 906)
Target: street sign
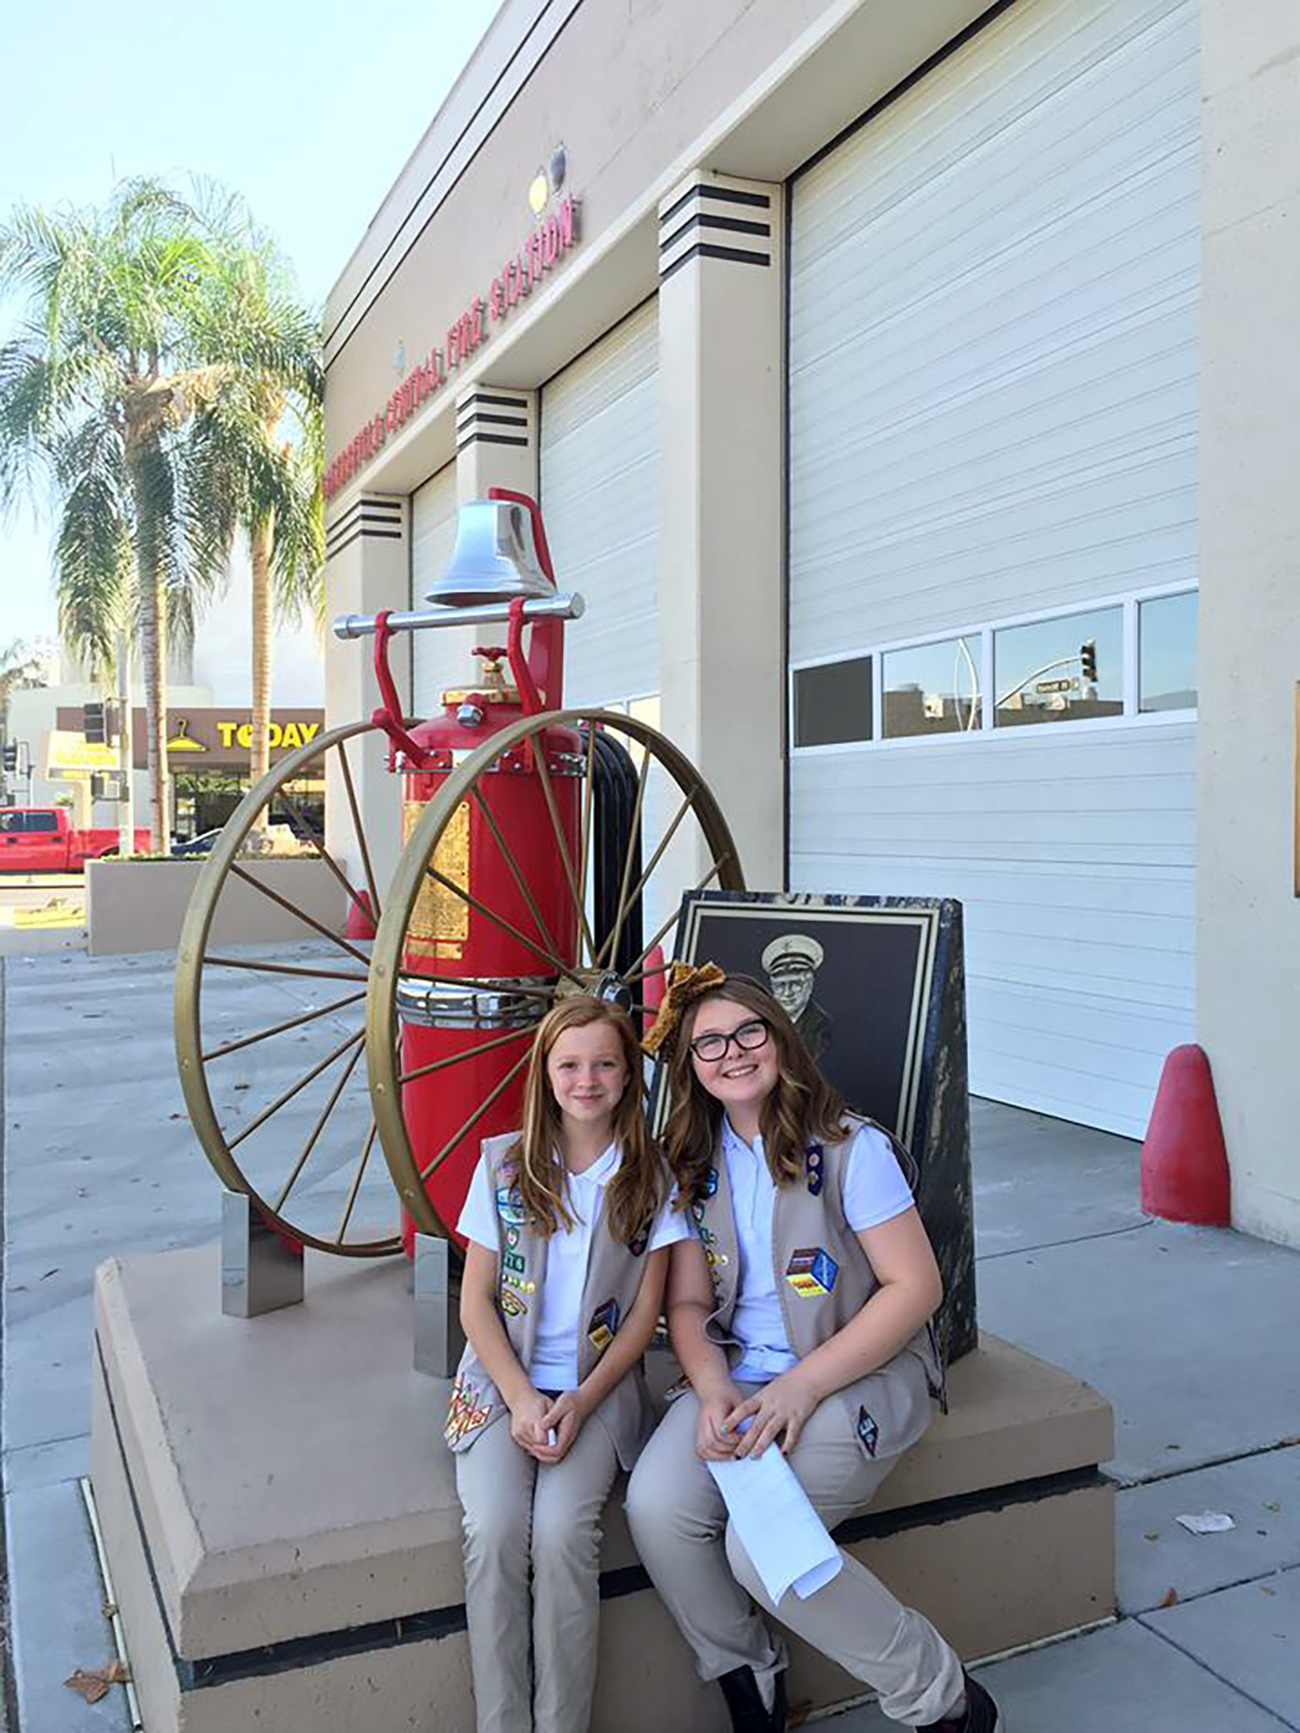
(1070, 685)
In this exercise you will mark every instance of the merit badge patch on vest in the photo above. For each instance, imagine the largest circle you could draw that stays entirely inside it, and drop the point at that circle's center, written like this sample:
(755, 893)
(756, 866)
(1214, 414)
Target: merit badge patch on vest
(641, 1240)
(603, 1325)
(709, 1185)
(512, 1304)
(465, 1413)
(811, 1272)
(813, 1162)
(510, 1205)
(868, 1432)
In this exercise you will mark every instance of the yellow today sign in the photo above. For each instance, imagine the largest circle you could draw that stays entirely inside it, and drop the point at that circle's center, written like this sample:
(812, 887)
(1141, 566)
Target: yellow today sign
(278, 734)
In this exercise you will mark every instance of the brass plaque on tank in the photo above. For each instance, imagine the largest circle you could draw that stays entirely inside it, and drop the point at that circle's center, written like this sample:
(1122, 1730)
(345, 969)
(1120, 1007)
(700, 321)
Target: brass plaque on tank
(440, 921)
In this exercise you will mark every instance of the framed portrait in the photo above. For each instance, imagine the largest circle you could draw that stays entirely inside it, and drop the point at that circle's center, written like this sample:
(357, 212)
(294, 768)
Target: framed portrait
(854, 974)
(876, 987)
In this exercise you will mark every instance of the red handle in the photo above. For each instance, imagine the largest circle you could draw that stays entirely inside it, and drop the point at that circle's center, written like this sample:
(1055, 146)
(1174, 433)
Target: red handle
(389, 715)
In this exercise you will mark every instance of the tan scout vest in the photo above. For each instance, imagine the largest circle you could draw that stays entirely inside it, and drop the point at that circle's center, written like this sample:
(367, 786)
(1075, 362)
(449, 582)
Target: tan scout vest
(614, 1273)
(823, 1280)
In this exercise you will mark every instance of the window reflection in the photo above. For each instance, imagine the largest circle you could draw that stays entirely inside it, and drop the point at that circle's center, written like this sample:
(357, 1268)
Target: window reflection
(932, 688)
(832, 703)
(1167, 653)
(1061, 670)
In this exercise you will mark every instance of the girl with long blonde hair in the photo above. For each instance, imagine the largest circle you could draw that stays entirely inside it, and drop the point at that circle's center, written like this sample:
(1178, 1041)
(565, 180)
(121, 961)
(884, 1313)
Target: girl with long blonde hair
(568, 1230)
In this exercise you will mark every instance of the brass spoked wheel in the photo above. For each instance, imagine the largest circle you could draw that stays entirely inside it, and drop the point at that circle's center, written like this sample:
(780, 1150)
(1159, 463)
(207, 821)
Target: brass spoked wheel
(269, 1035)
(582, 899)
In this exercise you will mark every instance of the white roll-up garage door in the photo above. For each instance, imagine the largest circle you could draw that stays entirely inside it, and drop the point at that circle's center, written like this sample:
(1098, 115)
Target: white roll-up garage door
(993, 407)
(441, 659)
(600, 500)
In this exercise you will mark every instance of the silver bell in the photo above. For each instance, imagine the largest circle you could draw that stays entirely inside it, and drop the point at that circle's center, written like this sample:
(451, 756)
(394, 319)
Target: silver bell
(494, 559)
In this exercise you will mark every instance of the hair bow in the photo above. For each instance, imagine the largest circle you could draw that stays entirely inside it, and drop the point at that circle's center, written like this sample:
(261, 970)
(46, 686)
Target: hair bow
(686, 984)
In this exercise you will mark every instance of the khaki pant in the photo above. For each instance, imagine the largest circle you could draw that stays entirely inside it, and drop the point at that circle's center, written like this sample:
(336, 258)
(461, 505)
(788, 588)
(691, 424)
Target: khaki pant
(532, 1561)
(705, 1577)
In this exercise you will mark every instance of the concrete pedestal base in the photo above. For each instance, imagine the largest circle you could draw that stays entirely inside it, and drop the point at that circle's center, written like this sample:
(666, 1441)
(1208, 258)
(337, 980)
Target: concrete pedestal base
(281, 1520)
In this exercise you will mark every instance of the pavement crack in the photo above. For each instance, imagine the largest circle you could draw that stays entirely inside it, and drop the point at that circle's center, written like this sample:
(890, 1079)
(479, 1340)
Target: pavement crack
(1073, 1240)
(1126, 1484)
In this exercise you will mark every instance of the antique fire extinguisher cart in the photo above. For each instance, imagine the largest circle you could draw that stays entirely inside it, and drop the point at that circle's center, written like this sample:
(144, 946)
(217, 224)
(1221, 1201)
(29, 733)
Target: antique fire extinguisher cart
(545, 853)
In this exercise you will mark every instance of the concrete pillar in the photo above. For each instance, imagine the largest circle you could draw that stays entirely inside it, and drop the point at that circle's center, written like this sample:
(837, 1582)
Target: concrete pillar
(1248, 915)
(496, 441)
(721, 275)
(367, 568)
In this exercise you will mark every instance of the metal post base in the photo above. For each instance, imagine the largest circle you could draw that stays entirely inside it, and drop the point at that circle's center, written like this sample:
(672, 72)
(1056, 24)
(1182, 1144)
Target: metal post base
(439, 1340)
(260, 1270)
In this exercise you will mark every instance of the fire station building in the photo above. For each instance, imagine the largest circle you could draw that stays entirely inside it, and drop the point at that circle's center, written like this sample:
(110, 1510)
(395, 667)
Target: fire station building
(907, 390)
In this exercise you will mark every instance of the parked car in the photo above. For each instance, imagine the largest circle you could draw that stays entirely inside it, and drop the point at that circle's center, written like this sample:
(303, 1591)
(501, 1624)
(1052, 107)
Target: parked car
(35, 839)
(195, 845)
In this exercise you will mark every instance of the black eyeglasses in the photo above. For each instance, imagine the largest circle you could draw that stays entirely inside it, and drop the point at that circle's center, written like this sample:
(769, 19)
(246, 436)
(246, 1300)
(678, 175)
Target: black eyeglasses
(748, 1037)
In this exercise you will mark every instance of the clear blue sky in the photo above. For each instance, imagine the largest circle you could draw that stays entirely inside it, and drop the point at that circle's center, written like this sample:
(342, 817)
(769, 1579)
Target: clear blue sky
(309, 111)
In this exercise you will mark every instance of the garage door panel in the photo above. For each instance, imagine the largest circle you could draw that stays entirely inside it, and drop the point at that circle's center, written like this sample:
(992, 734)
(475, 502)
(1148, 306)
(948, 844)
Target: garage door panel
(600, 500)
(993, 413)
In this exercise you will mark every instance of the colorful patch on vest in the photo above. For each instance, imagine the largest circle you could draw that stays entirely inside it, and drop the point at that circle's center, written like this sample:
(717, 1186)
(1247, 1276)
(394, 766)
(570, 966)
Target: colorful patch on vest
(709, 1184)
(603, 1326)
(812, 1272)
(512, 1304)
(638, 1244)
(512, 1237)
(510, 1205)
(813, 1165)
(465, 1412)
(868, 1432)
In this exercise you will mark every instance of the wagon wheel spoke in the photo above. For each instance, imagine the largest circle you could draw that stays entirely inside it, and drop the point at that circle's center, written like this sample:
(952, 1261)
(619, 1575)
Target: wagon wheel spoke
(512, 865)
(626, 902)
(562, 849)
(267, 1019)
(319, 1126)
(636, 972)
(355, 1187)
(359, 830)
(280, 1028)
(488, 1101)
(465, 1053)
(557, 966)
(299, 914)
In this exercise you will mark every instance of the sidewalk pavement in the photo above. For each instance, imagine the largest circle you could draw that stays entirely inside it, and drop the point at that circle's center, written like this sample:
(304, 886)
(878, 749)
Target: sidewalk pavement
(1189, 1333)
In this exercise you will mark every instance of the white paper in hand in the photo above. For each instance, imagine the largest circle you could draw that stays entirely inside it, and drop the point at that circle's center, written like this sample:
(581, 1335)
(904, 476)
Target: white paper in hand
(776, 1524)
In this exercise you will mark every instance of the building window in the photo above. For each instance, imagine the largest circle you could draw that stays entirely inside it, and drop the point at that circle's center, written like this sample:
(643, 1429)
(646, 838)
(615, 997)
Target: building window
(832, 703)
(1061, 670)
(1167, 652)
(932, 688)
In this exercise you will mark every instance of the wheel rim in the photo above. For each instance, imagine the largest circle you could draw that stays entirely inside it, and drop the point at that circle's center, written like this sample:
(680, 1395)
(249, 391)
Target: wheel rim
(317, 1189)
(662, 770)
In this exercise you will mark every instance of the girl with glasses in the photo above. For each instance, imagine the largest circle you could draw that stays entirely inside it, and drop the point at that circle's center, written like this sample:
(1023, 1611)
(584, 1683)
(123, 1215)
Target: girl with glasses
(568, 1229)
(800, 1314)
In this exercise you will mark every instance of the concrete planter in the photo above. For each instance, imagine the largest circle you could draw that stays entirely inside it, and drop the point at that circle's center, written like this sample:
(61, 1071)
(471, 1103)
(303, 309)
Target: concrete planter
(141, 905)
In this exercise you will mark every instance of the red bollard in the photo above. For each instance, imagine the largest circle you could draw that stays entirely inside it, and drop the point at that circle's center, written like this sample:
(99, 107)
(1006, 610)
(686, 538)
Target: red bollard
(361, 920)
(1184, 1159)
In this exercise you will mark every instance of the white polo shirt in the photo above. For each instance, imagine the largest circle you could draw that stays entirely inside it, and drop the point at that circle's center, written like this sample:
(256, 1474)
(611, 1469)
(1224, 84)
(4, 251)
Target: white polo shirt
(874, 1192)
(555, 1351)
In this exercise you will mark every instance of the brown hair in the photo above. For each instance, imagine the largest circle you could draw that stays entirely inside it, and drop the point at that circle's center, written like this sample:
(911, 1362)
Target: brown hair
(636, 1190)
(803, 1108)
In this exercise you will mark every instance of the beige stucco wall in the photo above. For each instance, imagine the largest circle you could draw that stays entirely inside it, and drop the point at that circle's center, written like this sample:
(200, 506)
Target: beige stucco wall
(1248, 918)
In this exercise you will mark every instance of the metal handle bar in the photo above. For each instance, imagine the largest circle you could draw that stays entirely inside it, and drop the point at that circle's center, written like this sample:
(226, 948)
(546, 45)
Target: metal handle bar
(569, 607)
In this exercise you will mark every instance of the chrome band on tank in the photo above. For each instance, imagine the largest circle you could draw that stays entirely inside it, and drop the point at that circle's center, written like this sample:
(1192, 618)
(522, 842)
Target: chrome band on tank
(497, 1004)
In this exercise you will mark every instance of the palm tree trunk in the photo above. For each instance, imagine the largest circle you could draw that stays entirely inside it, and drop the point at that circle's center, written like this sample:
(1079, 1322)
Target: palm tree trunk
(261, 543)
(153, 653)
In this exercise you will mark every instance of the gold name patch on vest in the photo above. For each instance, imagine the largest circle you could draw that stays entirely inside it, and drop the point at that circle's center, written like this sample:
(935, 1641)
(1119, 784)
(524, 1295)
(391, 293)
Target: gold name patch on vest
(812, 1272)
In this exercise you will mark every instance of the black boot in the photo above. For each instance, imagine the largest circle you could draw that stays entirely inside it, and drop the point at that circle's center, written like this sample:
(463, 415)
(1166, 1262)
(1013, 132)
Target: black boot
(981, 1712)
(749, 1714)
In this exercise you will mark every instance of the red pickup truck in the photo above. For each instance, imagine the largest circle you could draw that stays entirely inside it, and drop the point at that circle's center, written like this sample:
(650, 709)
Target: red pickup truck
(40, 839)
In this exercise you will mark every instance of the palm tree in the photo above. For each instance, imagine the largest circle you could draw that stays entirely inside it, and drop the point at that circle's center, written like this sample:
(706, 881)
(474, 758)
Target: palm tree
(20, 668)
(255, 452)
(94, 390)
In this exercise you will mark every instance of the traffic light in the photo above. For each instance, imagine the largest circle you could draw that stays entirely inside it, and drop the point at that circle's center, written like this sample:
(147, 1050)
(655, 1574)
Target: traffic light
(1088, 657)
(10, 759)
(95, 725)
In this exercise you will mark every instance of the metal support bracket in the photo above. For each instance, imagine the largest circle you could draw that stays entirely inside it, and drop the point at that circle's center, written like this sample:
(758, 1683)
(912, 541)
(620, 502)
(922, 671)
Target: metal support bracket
(261, 1270)
(439, 1340)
